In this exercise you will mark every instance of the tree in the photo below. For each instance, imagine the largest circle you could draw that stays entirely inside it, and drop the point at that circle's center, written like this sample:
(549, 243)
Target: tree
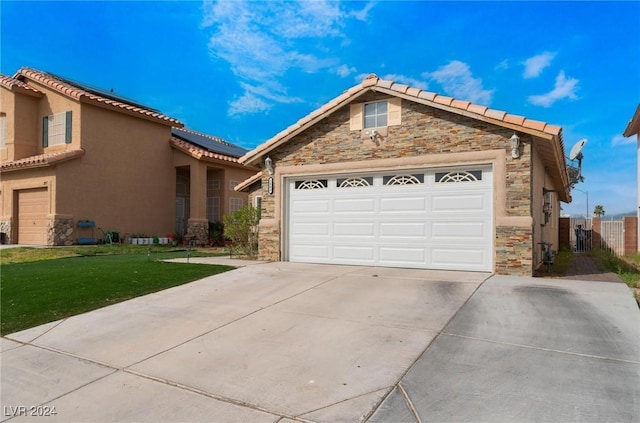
(598, 210)
(241, 228)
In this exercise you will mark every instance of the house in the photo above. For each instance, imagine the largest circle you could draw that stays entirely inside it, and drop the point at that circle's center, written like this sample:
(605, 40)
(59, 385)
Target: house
(390, 175)
(633, 128)
(78, 162)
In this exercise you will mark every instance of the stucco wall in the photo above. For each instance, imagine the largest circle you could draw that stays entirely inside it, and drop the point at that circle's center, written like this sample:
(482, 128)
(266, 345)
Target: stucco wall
(125, 182)
(22, 134)
(543, 231)
(427, 136)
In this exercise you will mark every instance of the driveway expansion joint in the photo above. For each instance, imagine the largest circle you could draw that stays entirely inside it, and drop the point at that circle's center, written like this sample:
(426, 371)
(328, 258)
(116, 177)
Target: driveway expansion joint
(533, 347)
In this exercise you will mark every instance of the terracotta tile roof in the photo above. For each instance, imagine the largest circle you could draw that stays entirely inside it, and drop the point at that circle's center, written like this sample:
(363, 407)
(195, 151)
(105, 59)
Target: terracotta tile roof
(17, 85)
(209, 142)
(85, 94)
(372, 82)
(200, 153)
(41, 160)
(633, 127)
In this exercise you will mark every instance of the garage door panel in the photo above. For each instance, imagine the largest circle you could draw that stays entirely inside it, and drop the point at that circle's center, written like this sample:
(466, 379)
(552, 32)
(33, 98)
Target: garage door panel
(406, 204)
(351, 252)
(409, 256)
(311, 252)
(458, 203)
(363, 205)
(310, 206)
(464, 230)
(310, 229)
(411, 229)
(460, 257)
(354, 229)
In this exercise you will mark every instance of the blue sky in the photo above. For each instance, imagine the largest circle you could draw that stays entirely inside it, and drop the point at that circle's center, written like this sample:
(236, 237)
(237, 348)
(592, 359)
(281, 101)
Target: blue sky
(244, 71)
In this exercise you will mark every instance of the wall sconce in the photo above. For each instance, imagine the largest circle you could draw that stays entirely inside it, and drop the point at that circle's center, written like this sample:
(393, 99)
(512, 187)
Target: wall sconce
(515, 145)
(268, 163)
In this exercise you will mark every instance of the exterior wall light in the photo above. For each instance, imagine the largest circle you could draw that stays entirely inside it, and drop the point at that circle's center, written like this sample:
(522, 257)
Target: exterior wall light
(515, 145)
(268, 163)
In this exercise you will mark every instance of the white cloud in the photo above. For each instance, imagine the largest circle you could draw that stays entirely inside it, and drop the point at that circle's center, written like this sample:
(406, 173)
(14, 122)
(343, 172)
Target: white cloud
(247, 103)
(563, 88)
(621, 140)
(263, 41)
(457, 81)
(534, 66)
(344, 70)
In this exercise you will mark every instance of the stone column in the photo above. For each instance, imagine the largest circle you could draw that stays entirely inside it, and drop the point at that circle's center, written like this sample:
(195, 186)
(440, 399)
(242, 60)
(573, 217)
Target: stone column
(198, 225)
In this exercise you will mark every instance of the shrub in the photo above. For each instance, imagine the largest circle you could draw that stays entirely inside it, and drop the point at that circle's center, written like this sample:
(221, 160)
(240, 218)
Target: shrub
(241, 228)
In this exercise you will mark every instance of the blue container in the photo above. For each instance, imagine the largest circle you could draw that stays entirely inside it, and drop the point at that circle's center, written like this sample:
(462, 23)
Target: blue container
(86, 241)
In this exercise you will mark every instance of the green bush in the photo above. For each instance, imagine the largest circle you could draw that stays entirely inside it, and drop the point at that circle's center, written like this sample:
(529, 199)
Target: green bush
(241, 228)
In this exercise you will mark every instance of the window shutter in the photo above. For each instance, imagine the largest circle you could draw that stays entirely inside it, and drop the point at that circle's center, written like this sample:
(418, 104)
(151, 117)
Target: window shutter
(355, 123)
(45, 131)
(395, 111)
(67, 129)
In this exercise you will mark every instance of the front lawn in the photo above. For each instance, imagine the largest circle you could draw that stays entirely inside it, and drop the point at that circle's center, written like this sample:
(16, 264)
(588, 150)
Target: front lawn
(37, 292)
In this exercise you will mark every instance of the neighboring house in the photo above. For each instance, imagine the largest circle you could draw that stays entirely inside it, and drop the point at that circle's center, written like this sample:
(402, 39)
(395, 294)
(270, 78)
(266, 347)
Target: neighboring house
(633, 128)
(71, 153)
(390, 175)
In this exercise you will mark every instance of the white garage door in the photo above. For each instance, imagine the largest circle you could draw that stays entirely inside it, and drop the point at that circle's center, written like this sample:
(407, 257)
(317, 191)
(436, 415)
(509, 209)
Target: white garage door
(429, 219)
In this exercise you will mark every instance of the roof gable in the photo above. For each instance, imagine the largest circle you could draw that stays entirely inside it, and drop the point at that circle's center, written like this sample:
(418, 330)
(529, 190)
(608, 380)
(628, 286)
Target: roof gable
(94, 96)
(549, 136)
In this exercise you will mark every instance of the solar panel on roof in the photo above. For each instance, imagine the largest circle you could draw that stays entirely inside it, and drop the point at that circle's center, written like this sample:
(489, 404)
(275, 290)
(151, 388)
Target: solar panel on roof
(212, 144)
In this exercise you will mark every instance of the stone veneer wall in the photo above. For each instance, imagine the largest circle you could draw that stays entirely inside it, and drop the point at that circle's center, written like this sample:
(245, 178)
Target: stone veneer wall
(5, 228)
(60, 232)
(424, 131)
(198, 232)
(514, 252)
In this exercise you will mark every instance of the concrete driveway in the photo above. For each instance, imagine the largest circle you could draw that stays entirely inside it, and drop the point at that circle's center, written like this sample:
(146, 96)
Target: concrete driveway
(282, 342)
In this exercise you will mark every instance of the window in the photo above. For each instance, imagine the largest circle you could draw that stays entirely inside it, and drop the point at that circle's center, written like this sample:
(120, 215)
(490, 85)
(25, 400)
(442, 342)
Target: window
(3, 130)
(462, 176)
(213, 184)
(257, 202)
(235, 204)
(403, 179)
(357, 181)
(213, 209)
(375, 114)
(232, 184)
(56, 129)
(317, 184)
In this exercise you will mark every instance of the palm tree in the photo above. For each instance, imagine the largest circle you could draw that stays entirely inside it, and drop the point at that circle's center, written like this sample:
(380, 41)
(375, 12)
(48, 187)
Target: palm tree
(598, 210)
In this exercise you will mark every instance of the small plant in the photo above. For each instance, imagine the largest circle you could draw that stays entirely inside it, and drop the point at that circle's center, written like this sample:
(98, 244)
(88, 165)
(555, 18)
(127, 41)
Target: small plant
(241, 228)
(216, 234)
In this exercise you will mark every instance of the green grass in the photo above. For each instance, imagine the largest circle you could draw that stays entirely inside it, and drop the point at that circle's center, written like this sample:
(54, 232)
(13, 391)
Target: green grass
(37, 292)
(625, 267)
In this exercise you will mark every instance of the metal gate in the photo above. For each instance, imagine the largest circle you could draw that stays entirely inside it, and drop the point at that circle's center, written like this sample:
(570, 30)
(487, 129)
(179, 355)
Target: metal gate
(581, 234)
(612, 236)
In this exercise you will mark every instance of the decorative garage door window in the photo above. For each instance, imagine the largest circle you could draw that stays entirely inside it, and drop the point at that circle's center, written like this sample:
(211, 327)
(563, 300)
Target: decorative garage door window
(403, 179)
(459, 176)
(312, 184)
(357, 181)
